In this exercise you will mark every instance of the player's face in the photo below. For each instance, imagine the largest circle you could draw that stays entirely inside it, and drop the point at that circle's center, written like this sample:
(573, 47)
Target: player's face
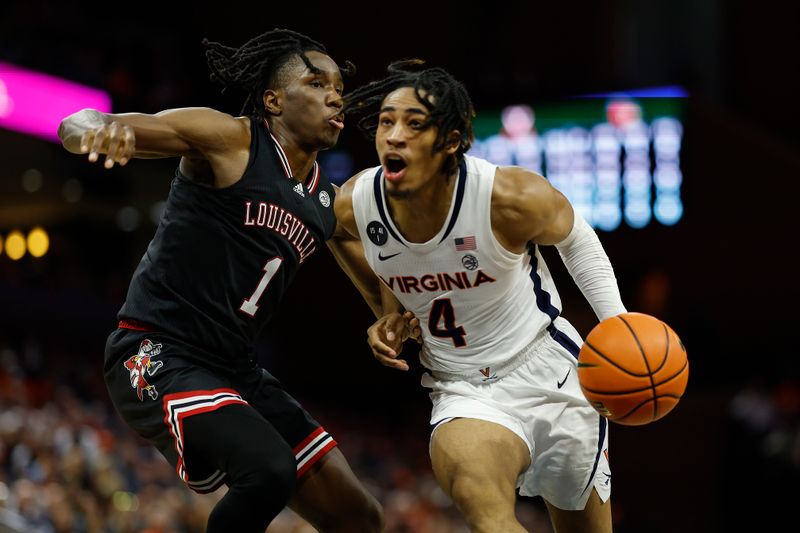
(312, 102)
(404, 141)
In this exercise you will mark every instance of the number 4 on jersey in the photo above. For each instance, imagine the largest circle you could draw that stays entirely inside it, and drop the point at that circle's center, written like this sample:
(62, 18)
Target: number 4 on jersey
(443, 310)
(250, 305)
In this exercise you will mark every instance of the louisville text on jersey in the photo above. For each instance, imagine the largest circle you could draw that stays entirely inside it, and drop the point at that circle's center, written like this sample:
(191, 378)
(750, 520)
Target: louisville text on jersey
(439, 282)
(283, 222)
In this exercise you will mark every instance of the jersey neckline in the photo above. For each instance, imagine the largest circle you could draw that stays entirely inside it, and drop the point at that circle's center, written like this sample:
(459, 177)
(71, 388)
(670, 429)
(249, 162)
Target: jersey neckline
(311, 181)
(379, 185)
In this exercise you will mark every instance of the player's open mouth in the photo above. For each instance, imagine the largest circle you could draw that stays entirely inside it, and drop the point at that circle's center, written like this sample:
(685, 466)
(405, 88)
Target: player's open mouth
(394, 167)
(337, 121)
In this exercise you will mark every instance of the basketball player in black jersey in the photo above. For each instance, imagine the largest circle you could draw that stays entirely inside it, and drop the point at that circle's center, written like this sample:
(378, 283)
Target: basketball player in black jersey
(248, 205)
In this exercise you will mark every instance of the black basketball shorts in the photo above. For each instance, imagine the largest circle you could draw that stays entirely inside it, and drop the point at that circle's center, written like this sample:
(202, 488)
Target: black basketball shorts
(154, 389)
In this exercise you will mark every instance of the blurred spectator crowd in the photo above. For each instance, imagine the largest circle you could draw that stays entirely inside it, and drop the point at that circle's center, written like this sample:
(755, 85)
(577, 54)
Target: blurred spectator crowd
(69, 464)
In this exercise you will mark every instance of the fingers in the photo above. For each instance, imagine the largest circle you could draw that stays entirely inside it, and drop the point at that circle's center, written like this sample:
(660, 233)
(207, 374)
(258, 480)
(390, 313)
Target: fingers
(115, 140)
(398, 364)
(394, 328)
(384, 339)
(381, 348)
(385, 354)
(87, 140)
(100, 137)
(412, 327)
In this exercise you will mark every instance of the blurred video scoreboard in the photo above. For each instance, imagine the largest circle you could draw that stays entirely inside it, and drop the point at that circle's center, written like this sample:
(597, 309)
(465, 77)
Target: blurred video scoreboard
(617, 157)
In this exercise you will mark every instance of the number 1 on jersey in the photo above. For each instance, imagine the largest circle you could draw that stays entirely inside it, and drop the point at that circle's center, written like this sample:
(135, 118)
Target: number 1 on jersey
(250, 305)
(443, 309)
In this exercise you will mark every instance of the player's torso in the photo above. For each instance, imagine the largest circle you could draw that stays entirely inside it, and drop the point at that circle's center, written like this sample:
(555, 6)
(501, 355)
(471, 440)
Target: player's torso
(222, 258)
(475, 300)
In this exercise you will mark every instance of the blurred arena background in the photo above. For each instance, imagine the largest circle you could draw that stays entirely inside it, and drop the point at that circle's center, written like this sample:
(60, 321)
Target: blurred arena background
(713, 262)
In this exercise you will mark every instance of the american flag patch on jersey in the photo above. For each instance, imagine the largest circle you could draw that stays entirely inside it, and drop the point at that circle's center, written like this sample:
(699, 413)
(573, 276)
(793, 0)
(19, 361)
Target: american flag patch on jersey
(465, 243)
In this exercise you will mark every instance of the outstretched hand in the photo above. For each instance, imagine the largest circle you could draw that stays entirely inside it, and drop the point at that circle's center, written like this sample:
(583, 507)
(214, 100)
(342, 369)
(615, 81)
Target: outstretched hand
(387, 335)
(115, 139)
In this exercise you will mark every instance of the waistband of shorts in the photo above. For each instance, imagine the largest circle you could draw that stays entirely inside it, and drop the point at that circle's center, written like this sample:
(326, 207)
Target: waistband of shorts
(130, 323)
(493, 373)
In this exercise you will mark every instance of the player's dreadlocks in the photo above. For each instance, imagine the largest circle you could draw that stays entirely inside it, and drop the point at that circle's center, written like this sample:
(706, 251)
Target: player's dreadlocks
(257, 64)
(447, 101)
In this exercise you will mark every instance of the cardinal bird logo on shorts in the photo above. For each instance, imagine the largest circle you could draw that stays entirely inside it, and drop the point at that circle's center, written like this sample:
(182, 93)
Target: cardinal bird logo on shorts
(142, 364)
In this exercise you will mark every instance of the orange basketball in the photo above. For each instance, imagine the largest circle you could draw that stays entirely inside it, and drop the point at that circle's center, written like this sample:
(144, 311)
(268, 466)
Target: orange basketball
(633, 368)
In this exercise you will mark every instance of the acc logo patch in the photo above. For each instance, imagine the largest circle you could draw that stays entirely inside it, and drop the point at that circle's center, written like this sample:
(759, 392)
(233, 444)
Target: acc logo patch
(324, 199)
(377, 233)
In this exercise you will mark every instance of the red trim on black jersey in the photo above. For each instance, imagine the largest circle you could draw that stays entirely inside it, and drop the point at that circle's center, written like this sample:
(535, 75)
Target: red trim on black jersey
(311, 181)
(130, 323)
(314, 179)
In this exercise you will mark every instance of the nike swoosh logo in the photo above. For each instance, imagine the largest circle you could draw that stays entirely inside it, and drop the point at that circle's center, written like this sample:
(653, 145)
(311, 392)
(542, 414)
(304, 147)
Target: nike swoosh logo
(561, 383)
(385, 257)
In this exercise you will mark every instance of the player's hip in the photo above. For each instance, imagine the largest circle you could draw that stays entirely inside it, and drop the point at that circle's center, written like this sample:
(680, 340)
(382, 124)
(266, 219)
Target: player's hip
(554, 341)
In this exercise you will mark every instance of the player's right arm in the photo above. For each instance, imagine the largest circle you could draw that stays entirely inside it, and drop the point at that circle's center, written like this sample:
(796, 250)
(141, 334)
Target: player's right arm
(394, 324)
(527, 209)
(193, 133)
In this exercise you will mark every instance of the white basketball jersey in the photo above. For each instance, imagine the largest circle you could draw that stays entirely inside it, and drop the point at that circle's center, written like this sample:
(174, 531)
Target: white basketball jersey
(478, 304)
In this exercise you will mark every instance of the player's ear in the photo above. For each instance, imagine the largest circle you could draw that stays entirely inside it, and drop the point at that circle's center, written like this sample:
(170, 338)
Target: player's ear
(272, 102)
(453, 142)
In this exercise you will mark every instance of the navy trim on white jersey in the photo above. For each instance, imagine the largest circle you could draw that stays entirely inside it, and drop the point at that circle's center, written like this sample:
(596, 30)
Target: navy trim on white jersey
(379, 200)
(542, 296)
(460, 186)
(543, 302)
(600, 442)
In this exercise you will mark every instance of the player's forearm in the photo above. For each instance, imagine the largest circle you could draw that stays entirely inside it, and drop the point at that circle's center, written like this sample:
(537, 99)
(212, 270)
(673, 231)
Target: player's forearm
(589, 266)
(349, 255)
(389, 302)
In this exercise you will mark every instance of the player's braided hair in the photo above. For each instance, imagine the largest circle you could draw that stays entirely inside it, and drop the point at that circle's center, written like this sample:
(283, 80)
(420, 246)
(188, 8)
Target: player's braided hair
(445, 98)
(256, 65)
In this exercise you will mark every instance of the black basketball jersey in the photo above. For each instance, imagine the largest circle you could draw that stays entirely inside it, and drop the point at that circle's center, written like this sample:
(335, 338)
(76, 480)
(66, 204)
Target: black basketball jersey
(221, 259)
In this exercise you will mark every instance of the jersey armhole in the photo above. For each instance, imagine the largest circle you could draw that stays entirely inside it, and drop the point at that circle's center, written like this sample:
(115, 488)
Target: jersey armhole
(251, 158)
(500, 250)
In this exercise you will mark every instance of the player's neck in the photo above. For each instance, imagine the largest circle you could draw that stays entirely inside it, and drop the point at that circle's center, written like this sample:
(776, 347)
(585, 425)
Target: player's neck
(421, 215)
(301, 159)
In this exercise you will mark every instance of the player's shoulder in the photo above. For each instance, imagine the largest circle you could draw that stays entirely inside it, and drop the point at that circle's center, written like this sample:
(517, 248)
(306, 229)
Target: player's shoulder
(349, 186)
(520, 195)
(343, 204)
(516, 183)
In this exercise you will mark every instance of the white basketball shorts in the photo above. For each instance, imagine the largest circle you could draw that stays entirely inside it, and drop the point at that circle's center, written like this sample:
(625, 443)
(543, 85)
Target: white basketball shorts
(541, 402)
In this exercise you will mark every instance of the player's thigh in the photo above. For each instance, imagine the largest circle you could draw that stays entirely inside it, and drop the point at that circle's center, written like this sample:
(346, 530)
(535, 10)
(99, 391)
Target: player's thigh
(470, 456)
(594, 518)
(236, 440)
(305, 436)
(330, 491)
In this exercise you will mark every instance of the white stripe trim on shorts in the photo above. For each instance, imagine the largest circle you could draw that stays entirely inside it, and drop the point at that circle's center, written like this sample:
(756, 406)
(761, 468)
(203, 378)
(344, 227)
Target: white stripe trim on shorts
(181, 405)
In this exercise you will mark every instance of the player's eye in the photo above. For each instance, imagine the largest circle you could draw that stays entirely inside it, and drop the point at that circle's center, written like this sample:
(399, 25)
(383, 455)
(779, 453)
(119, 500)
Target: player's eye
(316, 83)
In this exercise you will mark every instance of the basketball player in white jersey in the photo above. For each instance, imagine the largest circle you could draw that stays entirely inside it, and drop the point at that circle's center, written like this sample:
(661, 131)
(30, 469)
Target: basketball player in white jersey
(456, 240)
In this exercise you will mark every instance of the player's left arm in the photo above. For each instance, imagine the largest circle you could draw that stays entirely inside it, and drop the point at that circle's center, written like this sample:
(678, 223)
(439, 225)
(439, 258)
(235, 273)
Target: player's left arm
(394, 325)
(349, 254)
(526, 209)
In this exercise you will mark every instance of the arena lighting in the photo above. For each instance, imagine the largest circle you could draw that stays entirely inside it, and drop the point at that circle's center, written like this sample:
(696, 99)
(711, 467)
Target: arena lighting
(34, 103)
(616, 156)
(38, 242)
(15, 245)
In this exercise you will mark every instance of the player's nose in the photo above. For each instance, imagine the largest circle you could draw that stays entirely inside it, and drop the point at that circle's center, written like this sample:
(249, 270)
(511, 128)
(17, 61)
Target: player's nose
(335, 100)
(396, 136)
